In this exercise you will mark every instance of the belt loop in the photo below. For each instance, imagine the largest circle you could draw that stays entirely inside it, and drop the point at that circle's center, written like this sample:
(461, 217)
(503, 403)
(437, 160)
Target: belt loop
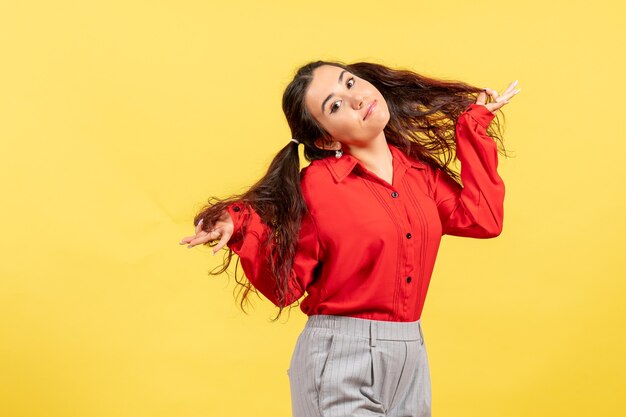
(372, 334)
(419, 326)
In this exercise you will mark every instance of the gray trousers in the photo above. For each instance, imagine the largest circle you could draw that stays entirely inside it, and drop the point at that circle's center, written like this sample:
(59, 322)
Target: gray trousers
(347, 367)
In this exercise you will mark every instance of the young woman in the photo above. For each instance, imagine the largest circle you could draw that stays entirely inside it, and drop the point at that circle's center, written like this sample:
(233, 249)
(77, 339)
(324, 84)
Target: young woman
(359, 228)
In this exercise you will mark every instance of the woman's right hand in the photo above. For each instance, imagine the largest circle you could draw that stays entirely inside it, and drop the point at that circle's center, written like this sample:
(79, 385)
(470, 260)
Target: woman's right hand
(224, 227)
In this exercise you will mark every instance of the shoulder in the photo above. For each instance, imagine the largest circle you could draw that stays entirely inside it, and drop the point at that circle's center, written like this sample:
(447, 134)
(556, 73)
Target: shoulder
(316, 174)
(315, 181)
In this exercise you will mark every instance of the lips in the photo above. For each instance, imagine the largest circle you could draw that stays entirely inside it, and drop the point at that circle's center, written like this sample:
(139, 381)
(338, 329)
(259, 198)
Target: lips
(370, 109)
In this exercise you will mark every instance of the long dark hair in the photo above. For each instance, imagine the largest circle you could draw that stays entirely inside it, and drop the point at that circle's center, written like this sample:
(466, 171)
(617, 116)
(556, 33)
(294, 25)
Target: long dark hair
(423, 113)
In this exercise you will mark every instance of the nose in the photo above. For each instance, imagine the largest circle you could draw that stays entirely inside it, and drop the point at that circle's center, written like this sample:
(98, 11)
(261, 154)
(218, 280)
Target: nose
(357, 102)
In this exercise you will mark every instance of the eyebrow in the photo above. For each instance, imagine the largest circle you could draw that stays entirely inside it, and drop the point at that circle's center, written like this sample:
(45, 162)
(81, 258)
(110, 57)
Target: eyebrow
(330, 95)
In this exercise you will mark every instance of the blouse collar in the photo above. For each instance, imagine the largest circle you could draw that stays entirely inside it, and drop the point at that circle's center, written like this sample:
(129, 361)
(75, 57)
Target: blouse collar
(341, 167)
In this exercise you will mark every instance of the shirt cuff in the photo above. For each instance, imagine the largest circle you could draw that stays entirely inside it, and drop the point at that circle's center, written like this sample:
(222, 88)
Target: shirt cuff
(481, 114)
(237, 213)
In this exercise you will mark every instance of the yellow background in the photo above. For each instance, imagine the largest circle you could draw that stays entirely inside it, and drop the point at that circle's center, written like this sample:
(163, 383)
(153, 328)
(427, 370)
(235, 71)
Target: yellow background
(118, 120)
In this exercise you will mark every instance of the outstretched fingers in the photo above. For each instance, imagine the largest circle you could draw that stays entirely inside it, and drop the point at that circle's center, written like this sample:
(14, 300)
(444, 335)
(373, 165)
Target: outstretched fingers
(499, 99)
(201, 238)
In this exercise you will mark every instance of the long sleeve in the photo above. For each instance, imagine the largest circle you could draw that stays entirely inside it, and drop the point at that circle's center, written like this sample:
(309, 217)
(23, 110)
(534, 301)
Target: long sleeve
(247, 244)
(476, 209)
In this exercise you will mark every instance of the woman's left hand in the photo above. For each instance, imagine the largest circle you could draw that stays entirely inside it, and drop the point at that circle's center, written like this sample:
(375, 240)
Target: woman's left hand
(499, 99)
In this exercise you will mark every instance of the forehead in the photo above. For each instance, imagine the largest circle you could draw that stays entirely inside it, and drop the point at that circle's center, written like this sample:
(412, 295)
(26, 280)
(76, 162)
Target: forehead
(324, 82)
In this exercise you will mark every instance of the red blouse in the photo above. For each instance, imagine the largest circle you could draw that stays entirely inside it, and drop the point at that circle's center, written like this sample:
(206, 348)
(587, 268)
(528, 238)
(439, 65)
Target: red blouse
(367, 248)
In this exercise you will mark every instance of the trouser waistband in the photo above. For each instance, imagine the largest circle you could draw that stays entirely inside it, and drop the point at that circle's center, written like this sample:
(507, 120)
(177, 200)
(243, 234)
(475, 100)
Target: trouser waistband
(372, 329)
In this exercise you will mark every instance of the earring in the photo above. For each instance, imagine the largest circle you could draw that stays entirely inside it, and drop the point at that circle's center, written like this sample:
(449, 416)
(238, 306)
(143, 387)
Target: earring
(338, 153)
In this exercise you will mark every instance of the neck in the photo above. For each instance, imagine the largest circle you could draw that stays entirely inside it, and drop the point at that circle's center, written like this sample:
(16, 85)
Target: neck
(375, 155)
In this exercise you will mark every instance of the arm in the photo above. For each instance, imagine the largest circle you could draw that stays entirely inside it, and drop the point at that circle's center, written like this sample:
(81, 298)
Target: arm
(476, 209)
(247, 245)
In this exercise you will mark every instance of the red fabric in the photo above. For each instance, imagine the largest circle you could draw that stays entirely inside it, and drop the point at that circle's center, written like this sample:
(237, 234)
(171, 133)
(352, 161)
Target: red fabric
(363, 252)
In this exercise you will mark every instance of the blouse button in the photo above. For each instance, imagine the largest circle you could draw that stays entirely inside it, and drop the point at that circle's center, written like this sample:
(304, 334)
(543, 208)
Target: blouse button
(236, 208)
(394, 194)
(408, 279)
(408, 236)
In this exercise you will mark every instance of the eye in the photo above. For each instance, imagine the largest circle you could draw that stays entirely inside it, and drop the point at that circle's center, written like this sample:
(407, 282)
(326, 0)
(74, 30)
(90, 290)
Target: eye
(333, 107)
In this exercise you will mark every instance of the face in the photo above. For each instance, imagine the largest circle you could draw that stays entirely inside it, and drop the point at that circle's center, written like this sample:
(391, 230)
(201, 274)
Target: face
(339, 100)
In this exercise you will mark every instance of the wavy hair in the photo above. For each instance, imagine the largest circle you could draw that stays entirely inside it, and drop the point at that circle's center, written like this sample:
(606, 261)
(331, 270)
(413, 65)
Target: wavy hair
(423, 114)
